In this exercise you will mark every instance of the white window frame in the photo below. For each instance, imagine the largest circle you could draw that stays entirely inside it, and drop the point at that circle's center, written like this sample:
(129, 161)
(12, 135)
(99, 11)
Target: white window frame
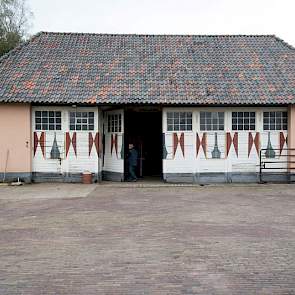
(55, 118)
(212, 114)
(243, 118)
(276, 119)
(188, 121)
(84, 120)
(114, 123)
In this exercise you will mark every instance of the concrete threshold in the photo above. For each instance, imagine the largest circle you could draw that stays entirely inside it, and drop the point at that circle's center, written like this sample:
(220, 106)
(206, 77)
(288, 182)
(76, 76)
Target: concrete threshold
(153, 184)
(146, 184)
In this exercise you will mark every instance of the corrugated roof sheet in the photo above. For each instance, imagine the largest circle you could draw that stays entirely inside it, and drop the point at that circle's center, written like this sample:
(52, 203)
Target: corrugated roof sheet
(150, 69)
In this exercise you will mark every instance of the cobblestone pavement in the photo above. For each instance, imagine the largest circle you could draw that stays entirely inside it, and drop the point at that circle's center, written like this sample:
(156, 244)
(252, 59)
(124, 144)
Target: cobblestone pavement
(140, 240)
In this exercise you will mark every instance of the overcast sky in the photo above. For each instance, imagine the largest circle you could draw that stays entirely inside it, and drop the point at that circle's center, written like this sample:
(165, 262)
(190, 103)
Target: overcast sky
(166, 16)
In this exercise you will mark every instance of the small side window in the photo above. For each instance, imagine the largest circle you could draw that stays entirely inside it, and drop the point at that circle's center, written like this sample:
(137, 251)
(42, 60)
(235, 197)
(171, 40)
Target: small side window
(114, 123)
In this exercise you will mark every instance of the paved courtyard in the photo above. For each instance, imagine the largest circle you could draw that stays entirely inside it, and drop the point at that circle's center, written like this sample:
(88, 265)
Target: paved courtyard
(102, 239)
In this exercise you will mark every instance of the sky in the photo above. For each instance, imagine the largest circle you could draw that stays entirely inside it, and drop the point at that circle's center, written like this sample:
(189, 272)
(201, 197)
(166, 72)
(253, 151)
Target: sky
(166, 17)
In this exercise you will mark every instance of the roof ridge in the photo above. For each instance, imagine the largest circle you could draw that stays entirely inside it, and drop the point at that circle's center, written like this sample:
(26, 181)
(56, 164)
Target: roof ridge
(20, 46)
(154, 35)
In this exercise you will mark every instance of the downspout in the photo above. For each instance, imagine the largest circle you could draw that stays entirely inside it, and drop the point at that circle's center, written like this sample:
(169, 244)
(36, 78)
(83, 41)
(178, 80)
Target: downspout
(6, 163)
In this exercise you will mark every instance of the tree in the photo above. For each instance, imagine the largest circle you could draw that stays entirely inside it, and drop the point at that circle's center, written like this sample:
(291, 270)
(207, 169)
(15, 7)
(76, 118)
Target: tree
(14, 23)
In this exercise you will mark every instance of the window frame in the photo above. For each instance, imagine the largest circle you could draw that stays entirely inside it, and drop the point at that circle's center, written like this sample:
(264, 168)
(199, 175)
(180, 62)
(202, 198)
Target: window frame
(81, 118)
(114, 123)
(275, 123)
(244, 119)
(174, 121)
(49, 117)
(220, 120)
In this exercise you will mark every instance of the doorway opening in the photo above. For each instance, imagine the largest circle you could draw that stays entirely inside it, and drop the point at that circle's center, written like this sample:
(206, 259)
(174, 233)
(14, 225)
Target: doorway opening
(144, 130)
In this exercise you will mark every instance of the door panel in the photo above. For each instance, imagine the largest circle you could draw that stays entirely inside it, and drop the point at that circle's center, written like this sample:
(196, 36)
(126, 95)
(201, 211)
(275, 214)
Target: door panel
(113, 167)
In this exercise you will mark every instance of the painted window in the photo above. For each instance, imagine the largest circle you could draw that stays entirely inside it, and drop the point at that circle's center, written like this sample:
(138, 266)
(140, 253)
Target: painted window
(47, 120)
(179, 121)
(114, 123)
(211, 121)
(82, 121)
(243, 120)
(275, 120)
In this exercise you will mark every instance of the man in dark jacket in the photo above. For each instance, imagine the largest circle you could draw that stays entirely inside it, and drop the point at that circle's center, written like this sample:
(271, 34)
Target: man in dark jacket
(132, 162)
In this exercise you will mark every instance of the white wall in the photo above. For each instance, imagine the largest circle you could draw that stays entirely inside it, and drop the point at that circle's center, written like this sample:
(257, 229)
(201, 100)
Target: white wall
(190, 162)
(70, 163)
(202, 162)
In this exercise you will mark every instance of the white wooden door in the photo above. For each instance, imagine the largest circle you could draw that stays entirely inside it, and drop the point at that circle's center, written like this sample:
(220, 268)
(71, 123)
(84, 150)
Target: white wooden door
(113, 162)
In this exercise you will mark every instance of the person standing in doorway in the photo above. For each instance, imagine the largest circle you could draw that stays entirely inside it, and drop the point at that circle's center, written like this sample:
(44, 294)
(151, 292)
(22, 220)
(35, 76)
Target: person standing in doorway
(132, 162)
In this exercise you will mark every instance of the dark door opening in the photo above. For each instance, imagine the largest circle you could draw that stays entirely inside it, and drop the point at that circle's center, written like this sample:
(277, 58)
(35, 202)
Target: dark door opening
(144, 130)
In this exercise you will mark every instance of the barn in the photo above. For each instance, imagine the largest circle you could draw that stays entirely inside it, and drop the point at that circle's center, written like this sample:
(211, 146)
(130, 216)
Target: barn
(199, 109)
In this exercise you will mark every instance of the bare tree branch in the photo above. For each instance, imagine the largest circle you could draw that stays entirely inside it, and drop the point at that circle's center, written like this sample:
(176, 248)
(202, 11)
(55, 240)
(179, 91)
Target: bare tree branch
(14, 23)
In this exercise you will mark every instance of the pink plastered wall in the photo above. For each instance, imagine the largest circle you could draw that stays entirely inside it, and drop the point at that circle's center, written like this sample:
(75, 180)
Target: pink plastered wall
(15, 137)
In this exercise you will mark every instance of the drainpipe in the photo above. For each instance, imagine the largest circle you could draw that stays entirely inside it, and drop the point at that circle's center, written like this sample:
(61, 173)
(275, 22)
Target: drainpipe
(6, 163)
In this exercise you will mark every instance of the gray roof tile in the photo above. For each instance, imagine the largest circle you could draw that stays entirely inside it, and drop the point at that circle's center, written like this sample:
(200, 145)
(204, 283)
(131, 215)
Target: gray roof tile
(150, 69)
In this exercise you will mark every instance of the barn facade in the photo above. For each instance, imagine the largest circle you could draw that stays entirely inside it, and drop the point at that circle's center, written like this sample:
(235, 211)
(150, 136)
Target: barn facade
(198, 109)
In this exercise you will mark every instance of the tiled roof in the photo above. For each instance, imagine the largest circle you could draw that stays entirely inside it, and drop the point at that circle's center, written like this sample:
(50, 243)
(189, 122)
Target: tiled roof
(150, 69)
